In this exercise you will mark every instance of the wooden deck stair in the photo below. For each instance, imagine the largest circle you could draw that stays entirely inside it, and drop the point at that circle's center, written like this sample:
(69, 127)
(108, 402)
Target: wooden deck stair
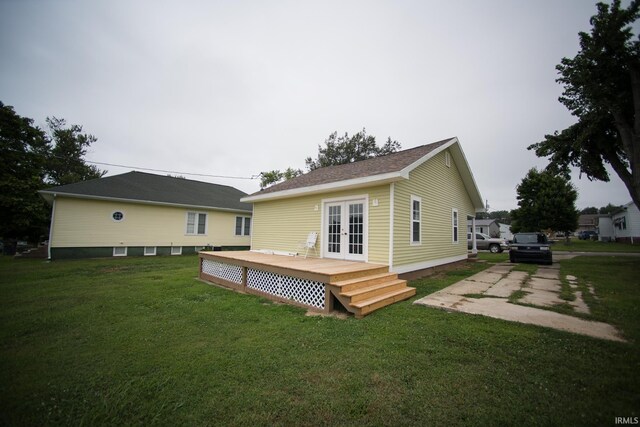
(369, 292)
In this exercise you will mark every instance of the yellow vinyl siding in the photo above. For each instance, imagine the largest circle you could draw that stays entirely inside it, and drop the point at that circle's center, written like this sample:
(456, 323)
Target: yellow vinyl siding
(88, 223)
(284, 224)
(441, 189)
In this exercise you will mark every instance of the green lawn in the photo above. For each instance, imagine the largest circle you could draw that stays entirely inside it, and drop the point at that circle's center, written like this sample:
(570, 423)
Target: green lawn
(576, 245)
(140, 341)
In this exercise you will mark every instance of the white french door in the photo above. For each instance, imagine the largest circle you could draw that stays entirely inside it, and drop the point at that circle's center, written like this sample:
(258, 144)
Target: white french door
(345, 230)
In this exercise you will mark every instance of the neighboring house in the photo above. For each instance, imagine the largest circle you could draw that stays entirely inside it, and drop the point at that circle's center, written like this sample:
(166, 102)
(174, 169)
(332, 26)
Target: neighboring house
(145, 214)
(621, 226)
(505, 231)
(587, 222)
(489, 227)
(408, 210)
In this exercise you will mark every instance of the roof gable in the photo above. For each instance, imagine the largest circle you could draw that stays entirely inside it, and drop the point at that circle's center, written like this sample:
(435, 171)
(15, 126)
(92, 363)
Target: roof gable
(480, 222)
(374, 171)
(154, 189)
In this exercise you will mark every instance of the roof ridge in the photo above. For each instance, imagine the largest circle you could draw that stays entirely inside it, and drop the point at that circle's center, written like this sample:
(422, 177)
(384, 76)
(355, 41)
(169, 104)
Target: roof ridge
(149, 187)
(172, 177)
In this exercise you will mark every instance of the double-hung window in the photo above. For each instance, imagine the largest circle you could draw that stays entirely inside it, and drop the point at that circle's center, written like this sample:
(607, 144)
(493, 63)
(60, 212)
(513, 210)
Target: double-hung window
(196, 223)
(416, 219)
(243, 226)
(454, 225)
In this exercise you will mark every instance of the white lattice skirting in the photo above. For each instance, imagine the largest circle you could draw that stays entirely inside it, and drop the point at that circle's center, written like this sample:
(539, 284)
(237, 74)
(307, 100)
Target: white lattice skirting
(300, 290)
(228, 272)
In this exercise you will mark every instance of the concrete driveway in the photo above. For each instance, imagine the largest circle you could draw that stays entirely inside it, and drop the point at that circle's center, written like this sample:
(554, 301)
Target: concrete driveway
(487, 293)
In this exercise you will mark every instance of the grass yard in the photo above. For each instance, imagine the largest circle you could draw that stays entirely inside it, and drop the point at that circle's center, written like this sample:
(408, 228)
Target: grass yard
(576, 245)
(140, 341)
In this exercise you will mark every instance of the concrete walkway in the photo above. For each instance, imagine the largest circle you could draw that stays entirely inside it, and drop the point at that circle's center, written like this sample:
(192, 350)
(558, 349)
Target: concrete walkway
(487, 293)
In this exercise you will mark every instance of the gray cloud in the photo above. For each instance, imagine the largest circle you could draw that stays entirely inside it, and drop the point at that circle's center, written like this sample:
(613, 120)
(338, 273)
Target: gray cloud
(235, 88)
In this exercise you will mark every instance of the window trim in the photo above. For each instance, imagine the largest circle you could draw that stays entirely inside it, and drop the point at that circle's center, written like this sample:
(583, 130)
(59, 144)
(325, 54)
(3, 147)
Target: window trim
(455, 226)
(179, 252)
(120, 247)
(412, 221)
(155, 251)
(243, 226)
(197, 216)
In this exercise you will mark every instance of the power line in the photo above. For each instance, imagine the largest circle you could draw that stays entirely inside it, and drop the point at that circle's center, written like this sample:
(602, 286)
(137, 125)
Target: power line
(155, 170)
(174, 172)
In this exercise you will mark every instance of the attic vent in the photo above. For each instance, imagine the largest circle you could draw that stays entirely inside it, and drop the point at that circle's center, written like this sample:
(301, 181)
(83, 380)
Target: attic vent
(447, 159)
(117, 216)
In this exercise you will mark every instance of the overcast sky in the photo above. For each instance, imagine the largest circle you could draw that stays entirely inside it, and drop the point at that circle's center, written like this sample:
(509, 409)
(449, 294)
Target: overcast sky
(236, 87)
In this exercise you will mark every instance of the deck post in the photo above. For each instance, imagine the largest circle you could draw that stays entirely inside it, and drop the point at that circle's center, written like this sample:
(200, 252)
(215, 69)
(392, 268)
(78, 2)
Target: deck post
(328, 301)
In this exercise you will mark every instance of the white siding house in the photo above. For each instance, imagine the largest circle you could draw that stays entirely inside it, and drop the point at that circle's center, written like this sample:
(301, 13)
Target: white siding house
(623, 225)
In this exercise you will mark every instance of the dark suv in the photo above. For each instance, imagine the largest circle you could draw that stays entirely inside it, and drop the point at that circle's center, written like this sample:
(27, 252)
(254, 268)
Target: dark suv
(533, 247)
(587, 235)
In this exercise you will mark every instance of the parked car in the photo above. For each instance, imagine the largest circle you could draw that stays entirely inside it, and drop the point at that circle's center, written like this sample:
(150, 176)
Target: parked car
(486, 242)
(587, 235)
(22, 245)
(533, 247)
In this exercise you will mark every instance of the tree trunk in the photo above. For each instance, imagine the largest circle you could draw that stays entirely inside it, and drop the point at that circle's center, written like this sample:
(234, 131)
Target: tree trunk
(630, 136)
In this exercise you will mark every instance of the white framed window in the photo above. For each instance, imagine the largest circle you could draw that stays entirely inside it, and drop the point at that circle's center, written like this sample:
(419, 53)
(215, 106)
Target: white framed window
(454, 225)
(447, 159)
(117, 216)
(176, 250)
(243, 226)
(196, 223)
(120, 251)
(416, 220)
(149, 251)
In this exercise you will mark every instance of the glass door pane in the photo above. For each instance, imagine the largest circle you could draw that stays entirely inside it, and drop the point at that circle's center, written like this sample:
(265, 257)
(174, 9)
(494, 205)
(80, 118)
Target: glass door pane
(356, 228)
(335, 227)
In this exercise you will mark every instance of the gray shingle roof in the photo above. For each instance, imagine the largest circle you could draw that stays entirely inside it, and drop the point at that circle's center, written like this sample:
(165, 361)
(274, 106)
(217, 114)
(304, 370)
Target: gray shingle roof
(485, 221)
(151, 188)
(394, 162)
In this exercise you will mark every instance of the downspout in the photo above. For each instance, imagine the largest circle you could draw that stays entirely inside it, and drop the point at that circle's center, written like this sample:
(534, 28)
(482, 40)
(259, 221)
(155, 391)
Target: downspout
(53, 215)
(474, 248)
(391, 210)
(253, 214)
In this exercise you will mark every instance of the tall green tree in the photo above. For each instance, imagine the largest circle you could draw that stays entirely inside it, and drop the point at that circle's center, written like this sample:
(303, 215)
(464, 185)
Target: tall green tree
(337, 150)
(340, 150)
(23, 150)
(30, 161)
(589, 210)
(275, 176)
(602, 89)
(609, 209)
(65, 160)
(546, 201)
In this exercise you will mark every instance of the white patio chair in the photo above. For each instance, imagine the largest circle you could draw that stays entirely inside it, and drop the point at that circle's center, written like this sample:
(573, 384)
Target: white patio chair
(309, 244)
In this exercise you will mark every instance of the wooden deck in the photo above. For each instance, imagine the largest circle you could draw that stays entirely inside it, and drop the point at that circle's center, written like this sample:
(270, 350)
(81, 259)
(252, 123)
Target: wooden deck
(314, 283)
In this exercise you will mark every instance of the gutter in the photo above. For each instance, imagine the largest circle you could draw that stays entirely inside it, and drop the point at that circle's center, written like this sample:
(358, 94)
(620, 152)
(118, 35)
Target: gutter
(53, 216)
(50, 196)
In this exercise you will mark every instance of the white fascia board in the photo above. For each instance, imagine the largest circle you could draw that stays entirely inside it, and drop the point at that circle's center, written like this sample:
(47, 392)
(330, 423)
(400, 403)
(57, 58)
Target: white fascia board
(421, 160)
(463, 167)
(348, 184)
(52, 194)
(468, 179)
